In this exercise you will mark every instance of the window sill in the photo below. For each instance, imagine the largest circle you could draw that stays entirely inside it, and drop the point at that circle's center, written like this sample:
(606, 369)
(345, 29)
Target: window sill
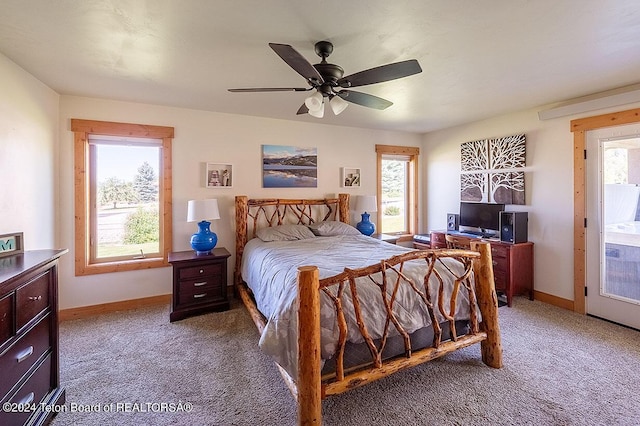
(121, 266)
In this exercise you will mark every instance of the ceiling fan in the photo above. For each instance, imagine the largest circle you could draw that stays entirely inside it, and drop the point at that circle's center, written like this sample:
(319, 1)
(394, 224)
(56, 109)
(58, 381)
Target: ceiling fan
(328, 82)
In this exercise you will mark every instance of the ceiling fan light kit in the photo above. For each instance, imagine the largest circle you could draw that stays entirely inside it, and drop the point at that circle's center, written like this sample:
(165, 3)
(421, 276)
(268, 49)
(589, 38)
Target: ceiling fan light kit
(314, 102)
(318, 112)
(329, 82)
(338, 104)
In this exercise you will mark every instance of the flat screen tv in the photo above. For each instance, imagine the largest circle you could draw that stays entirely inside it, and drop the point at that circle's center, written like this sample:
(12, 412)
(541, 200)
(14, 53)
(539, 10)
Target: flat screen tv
(485, 216)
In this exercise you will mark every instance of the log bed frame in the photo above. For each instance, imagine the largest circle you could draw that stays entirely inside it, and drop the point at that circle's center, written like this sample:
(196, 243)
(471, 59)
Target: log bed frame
(311, 387)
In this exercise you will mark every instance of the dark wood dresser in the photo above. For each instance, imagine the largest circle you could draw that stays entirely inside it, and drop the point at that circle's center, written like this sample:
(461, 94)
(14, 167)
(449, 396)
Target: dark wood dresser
(29, 354)
(199, 282)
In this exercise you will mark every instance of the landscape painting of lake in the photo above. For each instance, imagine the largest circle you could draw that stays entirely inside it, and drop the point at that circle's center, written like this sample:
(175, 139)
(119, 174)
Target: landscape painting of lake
(289, 167)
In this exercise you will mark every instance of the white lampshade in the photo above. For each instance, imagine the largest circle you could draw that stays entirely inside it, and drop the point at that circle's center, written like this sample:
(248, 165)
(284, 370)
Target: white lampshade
(319, 113)
(315, 102)
(199, 210)
(366, 203)
(338, 104)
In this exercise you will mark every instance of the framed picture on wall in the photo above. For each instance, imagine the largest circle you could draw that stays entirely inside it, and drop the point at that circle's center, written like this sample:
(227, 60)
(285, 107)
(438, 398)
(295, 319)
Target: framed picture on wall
(350, 177)
(218, 175)
(289, 166)
(11, 244)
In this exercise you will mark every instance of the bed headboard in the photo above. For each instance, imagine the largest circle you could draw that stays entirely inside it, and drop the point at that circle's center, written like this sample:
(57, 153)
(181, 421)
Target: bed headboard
(253, 214)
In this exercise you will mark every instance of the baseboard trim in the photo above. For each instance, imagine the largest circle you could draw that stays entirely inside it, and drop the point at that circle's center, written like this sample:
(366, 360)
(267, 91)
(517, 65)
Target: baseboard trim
(554, 300)
(103, 308)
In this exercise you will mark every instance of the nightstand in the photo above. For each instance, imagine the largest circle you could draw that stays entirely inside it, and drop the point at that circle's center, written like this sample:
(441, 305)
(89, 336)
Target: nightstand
(391, 239)
(199, 283)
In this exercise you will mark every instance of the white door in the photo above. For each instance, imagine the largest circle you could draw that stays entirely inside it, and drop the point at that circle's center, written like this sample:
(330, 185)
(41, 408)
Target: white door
(613, 224)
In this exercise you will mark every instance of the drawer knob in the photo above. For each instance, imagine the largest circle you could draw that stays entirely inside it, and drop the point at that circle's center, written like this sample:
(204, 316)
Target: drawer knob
(202, 271)
(35, 298)
(198, 296)
(25, 354)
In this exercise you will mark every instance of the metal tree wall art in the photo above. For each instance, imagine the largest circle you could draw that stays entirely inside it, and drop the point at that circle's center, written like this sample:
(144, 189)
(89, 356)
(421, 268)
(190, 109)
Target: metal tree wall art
(507, 153)
(507, 188)
(492, 170)
(475, 156)
(474, 187)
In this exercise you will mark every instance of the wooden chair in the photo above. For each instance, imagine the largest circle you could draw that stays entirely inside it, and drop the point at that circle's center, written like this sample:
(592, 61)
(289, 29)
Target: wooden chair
(458, 242)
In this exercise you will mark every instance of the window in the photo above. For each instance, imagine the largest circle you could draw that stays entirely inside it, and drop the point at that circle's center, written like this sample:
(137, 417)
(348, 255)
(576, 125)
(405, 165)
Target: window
(397, 189)
(122, 196)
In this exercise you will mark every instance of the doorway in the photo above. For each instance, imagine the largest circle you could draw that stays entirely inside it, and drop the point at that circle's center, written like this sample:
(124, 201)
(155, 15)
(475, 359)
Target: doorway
(613, 231)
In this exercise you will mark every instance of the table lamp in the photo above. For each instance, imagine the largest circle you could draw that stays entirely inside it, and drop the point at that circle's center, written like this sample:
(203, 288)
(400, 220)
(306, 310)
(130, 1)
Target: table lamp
(366, 203)
(202, 211)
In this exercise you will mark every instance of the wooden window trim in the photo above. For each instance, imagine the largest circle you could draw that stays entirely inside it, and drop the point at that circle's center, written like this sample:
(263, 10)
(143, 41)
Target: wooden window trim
(81, 130)
(413, 153)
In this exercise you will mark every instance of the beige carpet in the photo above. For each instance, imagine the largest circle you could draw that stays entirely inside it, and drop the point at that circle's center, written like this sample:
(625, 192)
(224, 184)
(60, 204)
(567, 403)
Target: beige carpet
(560, 369)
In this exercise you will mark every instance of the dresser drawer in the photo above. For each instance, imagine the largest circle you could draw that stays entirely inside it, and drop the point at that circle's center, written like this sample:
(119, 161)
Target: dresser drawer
(23, 353)
(500, 280)
(201, 271)
(202, 295)
(32, 298)
(6, 318)
(500, 265)
(499, 250)
(32, 391)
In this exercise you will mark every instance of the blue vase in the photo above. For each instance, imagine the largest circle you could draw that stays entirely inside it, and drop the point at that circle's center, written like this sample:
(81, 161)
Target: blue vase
(204, 240)
(366, 227)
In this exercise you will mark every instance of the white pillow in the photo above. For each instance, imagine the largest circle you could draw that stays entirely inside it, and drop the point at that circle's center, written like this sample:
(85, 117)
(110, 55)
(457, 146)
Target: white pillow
(333, 227)
(284, 233)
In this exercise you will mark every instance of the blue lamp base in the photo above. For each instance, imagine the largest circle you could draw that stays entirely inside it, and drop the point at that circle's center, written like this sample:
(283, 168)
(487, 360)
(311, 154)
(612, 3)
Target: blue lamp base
(204, 240)
(366, 227)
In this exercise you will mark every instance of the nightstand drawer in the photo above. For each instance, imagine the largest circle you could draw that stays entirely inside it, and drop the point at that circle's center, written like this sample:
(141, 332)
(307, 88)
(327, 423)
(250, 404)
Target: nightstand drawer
(201, 271)
(198, 286)
(32, 299)
(202, 295)
(19, 358)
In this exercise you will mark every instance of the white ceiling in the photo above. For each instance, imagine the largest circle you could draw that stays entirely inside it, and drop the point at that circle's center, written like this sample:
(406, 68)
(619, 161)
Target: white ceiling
(480, 58)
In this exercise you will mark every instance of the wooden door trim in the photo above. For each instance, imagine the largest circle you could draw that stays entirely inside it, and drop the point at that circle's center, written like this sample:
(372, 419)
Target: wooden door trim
(579, 127)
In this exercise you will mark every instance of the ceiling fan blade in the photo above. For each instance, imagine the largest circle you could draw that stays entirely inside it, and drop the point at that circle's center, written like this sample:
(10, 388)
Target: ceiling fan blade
(303, 110)
(271, 89)
(297, 62)
(381, 73)
(364, 99)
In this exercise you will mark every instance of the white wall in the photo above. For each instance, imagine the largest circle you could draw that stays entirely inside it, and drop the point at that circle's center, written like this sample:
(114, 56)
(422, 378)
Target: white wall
(202, 136)
(28, 154)
(548, 186)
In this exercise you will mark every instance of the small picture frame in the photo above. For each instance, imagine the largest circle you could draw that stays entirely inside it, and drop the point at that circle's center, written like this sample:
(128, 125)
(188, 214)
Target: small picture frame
(218, 175)
(350, 177)
(11, 244)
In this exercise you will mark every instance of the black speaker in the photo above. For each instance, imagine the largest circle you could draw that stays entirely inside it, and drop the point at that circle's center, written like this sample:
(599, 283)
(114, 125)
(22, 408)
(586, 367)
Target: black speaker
(514, 227)
(453, 221)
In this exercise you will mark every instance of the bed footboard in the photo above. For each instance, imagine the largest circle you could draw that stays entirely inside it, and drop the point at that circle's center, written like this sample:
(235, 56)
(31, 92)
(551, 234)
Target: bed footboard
(311, 389)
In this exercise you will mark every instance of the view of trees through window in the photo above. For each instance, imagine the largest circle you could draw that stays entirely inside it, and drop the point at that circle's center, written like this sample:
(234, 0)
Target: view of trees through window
(126, 214)
(617, 165)
(394, 195)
